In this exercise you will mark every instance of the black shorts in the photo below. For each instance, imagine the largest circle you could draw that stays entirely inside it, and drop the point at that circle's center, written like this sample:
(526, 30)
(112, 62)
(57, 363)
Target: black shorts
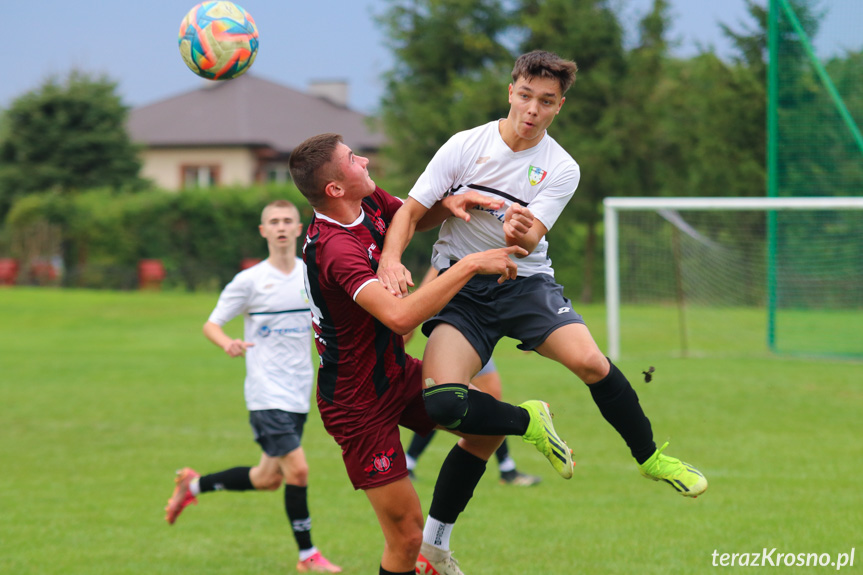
(277, 432)
(527, 309)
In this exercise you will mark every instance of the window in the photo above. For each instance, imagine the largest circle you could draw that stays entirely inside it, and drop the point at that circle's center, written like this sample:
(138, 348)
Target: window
(277, 174)
(199, 176)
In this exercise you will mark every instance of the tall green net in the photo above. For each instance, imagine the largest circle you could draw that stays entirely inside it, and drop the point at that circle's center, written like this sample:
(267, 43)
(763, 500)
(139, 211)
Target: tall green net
(815, 149)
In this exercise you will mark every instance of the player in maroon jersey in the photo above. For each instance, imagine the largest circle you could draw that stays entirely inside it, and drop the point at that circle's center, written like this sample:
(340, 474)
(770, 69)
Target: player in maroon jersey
(367, 385)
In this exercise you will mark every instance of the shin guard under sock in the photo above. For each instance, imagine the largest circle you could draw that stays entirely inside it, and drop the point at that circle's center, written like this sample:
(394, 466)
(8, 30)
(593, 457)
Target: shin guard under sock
(459, 475)
(618, 404)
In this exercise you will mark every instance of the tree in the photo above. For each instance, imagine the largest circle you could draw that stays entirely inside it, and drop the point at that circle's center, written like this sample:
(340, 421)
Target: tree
(449, 75)
(65, 137)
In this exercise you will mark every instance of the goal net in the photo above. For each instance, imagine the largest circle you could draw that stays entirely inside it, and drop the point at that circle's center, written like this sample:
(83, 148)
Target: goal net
(734, 276)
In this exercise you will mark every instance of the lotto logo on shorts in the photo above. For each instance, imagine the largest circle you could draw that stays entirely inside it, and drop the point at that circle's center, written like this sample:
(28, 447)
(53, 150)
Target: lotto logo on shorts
(381, 463)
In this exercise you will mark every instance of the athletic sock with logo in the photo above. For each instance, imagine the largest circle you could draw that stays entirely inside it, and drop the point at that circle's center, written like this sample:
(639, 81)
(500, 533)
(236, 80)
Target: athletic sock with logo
(459, 475)
(297, 508)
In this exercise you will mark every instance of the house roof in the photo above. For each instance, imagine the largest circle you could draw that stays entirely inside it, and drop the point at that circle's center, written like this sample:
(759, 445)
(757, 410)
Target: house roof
(247, 111)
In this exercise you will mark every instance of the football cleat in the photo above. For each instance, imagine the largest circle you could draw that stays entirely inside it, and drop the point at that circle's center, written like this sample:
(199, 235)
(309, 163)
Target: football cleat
(541, 433)
(684, 478)
(317, 563)
(435, 561)
(181, 496)
(516, 477)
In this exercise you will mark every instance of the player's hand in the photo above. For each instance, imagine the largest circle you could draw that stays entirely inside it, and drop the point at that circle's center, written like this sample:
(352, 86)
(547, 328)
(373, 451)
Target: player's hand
(237, 348)
(517, 221)
(498, 261)
(395, 277)
(460, 204)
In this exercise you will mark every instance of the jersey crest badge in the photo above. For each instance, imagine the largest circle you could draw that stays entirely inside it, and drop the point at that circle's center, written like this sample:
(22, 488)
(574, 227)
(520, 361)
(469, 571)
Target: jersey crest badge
(535, 175)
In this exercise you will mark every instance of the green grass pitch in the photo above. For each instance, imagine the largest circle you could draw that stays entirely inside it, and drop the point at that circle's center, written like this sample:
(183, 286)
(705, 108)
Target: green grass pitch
(103, 395)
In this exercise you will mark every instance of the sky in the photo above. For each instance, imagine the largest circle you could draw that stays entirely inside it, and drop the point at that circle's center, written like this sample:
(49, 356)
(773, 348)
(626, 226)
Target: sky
(301, 41)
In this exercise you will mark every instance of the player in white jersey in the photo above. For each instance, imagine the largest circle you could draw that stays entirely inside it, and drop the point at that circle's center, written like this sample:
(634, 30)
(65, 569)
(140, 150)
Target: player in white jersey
(543, 177)
(514, 159)
(276, 343)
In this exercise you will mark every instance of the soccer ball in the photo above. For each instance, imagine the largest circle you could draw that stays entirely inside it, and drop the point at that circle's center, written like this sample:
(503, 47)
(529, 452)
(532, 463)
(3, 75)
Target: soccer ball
(218, 40)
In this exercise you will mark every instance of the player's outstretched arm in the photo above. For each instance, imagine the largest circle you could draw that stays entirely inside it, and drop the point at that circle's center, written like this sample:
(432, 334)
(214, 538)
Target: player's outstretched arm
(233, 347)
(402, 315)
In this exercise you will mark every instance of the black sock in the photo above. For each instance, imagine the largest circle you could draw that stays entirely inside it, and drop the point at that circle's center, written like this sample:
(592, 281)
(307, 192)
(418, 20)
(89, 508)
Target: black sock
(419, 444)
(456, 481)
(385, 572)
(502, 452)
(619, 405)
(297, 508)
(488, 416)
(234, 479)
(455, 406)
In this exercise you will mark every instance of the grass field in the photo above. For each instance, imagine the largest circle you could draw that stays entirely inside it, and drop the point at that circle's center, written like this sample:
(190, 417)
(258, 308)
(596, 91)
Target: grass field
(103, 395)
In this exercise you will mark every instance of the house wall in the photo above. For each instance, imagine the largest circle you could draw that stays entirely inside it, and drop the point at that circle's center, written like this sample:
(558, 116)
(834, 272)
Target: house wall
(234, 165)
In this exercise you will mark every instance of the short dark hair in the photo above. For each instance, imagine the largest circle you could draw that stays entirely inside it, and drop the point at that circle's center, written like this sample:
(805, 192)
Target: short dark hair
(278, 204)
(311, 166)
(542, 64)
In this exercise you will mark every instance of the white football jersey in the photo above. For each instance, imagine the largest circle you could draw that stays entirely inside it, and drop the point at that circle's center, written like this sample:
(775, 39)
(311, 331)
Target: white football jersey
(542, 178)
(277, 319)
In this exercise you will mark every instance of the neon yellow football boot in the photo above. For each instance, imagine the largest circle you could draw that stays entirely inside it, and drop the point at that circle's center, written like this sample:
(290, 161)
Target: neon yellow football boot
(683, 477)
(541, 433)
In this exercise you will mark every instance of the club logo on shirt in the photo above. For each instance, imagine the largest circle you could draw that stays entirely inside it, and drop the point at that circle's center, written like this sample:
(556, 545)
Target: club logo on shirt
(379, 223)
(535, 175)
(382, 462)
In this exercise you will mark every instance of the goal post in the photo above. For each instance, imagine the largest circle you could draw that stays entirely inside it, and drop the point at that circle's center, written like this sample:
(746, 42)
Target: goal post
(799, 256)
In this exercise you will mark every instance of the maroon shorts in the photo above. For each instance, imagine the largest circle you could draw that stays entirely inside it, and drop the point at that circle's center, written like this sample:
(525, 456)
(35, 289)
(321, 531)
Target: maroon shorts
(369, 437)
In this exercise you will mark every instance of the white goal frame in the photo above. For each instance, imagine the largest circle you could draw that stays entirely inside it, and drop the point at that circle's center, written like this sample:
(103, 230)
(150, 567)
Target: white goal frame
(613, 205)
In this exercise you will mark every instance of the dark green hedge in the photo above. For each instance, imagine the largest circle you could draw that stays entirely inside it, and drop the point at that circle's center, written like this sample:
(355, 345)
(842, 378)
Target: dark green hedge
(201, 236)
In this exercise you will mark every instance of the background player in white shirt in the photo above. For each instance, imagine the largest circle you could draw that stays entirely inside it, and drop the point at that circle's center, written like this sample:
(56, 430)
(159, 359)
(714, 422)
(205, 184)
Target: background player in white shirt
(514, 159)
(276, 343)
